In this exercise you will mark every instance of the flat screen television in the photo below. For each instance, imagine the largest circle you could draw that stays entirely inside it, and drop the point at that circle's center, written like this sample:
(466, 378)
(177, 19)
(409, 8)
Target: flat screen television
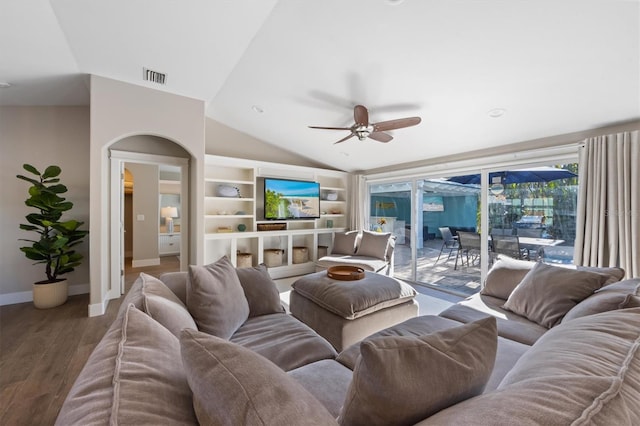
(291, 199)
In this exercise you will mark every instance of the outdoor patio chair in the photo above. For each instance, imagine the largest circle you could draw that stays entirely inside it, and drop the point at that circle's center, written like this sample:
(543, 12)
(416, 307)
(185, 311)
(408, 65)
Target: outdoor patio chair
(449, 242)
(469, 247)
(509, 245)
(502, 231)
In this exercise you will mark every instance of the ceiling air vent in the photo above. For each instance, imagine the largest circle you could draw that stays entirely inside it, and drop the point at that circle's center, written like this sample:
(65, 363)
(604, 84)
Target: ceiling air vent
(153, 76)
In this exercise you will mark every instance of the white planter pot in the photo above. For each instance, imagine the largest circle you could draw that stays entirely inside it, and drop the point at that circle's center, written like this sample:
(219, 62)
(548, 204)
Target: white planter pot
(50, 295)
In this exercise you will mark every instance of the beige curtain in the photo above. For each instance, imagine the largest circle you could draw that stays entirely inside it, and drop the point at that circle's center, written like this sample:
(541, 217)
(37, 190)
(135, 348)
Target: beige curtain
(356, 200)
(608, 222)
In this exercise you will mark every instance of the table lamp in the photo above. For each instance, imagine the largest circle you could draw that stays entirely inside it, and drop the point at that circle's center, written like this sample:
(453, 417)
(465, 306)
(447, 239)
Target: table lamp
(169, 213)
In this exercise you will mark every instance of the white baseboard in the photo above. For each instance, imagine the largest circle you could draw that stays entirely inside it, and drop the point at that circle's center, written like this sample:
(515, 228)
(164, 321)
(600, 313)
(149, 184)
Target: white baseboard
(27, 296)
(97, 309)
(145, 262)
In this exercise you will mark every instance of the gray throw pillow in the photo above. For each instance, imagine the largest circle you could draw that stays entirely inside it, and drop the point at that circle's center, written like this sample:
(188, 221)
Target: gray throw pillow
(161, 304)
(149, 382)
(233, 385)
(215, 298)
(344, 243)
(401, 380)
(374, 244)
(548, 292)
(260, 290)
(505, 275)
(602, 302)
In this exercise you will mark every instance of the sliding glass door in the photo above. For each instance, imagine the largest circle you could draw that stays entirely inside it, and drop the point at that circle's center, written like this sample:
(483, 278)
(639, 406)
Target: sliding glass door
(438, 222)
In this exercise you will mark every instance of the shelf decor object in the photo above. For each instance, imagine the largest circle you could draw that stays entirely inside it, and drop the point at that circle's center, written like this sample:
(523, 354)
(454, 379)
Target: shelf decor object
(228, 191)
(272, 226)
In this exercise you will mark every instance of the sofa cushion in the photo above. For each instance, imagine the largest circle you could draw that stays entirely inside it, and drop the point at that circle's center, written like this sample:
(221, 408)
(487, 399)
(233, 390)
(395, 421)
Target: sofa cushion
(354, 299)
(413, 327)
(163, 305)
(327, 380)
(261, 292)
(374, 244)
(505, 274)
(614, 274)
(149, 383)
(234, 386)
(388, 385)
(510, 325)
(582, 372)
(630, 286)
(602, 302)
(177, 283)
(548, 292)
(132, 336)
(344, 242)
(283, 340)
(215, 298)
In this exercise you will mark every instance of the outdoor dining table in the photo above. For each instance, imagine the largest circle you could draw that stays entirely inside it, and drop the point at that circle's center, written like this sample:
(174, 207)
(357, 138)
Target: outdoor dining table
(538, 244)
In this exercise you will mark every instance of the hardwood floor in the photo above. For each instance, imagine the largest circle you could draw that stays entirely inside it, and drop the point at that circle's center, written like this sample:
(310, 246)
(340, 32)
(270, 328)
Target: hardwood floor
(43, 351)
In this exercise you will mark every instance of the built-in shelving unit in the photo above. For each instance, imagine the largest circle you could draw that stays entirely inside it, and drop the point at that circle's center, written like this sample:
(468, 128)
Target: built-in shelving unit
(233, 205)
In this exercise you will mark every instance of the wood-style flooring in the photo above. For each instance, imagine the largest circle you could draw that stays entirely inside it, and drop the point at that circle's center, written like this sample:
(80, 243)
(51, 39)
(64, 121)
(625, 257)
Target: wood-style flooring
(43, 351)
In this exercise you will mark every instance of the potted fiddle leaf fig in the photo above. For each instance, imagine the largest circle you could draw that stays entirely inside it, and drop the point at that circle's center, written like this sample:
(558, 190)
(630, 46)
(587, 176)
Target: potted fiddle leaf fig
(55, 244)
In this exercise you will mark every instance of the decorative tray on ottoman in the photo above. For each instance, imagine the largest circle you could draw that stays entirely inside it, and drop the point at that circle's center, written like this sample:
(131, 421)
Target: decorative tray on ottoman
(345, 273)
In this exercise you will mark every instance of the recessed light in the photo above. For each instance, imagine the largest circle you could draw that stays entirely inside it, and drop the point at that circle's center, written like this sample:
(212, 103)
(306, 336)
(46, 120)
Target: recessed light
(4, 85)
(257, 109)
(496, 112)
(394, 2)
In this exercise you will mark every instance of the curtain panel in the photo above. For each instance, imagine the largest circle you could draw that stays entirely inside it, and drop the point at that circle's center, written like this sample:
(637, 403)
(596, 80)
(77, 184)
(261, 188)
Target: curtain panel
(608, 222)
(356, 202)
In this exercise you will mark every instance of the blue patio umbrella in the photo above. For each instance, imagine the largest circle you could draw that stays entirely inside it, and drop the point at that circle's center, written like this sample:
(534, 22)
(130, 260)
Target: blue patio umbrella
(532, 174)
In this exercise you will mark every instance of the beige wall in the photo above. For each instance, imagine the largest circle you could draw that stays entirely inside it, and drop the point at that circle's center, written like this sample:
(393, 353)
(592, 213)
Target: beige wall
(146, 204)
(120, 110)
(225, 141)
(40, 136)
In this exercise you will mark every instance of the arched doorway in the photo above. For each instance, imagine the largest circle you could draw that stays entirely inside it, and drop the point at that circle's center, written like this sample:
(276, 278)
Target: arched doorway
(161, 179)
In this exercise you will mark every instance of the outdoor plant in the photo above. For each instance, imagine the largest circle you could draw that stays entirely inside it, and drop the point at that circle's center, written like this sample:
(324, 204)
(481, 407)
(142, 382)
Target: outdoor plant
(55, 245)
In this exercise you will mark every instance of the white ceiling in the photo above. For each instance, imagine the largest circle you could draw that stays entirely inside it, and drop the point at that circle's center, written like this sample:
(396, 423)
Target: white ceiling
(555, 66)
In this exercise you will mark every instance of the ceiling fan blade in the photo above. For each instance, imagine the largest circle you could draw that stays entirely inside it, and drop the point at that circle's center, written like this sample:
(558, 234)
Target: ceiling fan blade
(330, 128)
(396, 124)
(361, 115)
(380, 137)
(344, 139)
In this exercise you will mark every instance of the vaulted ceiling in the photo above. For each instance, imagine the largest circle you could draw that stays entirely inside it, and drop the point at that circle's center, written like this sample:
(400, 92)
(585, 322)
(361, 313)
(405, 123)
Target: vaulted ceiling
(270, 68)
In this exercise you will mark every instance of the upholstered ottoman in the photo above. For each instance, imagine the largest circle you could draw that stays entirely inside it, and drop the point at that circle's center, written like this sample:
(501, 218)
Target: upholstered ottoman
(345, 312)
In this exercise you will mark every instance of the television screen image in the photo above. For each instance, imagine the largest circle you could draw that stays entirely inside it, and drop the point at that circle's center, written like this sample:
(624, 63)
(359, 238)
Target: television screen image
(291, 199)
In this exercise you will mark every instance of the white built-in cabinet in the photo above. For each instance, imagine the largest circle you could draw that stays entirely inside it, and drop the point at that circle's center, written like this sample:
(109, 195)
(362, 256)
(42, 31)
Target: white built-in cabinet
(233, 210)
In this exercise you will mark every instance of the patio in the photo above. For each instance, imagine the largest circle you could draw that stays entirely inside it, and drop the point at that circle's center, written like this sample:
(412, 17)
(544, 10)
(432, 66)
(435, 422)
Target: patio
(465, 280)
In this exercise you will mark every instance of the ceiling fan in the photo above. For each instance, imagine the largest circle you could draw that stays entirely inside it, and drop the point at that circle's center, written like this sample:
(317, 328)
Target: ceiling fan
(362, 129)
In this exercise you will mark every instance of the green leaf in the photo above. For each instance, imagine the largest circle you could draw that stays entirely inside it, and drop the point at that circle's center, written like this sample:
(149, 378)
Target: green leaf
(51, 171)
(29, 227)
(58, 189)
(33, 181)
(30, 168)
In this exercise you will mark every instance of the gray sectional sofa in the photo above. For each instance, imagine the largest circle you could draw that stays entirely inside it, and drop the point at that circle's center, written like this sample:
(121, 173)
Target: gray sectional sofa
(539, 345)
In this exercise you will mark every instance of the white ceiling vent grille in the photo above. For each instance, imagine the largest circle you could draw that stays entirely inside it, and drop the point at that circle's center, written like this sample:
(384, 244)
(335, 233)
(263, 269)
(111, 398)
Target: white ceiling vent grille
(154, 76)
